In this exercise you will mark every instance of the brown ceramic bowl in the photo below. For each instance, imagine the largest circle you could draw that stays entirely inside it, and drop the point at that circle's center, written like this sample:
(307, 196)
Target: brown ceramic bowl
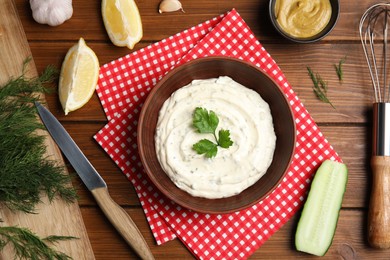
(249, 76)
(335, 5)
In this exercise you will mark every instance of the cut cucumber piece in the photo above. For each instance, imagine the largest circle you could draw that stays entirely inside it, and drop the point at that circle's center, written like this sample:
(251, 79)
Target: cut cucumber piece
(318, 221)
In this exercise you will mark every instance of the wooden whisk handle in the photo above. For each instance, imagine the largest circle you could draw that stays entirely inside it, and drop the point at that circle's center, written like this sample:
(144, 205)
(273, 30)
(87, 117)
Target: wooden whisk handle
(379, 208)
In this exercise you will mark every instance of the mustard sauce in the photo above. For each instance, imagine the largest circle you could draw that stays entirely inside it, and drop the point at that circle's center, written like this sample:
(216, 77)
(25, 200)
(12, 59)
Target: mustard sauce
(303, 18)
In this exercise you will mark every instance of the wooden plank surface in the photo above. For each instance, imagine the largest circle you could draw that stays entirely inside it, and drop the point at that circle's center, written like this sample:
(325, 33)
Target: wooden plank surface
(348, 127)
(57, 217)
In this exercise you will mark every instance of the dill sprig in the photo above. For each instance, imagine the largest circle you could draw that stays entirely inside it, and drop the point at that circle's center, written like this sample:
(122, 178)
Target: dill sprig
(339, 68)
(24, 171)
(28, 245)
(320, 87)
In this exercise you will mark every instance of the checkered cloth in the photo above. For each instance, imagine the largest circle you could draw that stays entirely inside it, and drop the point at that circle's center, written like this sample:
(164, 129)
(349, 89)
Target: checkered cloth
(123, 86)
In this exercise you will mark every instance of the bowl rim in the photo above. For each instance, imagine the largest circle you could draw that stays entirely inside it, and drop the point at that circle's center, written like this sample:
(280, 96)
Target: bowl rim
(141, 149)
(335, 4)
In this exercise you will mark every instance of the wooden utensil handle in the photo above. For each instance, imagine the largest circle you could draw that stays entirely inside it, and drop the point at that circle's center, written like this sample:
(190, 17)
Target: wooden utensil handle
(122, 222)
(379, 208)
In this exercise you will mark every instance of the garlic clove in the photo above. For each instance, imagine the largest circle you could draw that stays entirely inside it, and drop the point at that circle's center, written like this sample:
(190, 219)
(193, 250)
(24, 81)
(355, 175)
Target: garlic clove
(59, 16)
(170, 6)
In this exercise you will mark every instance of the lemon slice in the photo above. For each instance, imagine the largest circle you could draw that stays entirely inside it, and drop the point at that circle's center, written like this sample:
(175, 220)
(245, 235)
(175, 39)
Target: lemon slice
(78, 77)
(122, 21)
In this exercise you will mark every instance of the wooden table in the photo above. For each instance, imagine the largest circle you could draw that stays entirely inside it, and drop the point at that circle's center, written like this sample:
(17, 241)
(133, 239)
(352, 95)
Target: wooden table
(348, 127)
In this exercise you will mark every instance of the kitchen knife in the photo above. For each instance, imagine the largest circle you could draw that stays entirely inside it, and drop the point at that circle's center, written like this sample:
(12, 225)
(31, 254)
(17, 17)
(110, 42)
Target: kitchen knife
(94, 182)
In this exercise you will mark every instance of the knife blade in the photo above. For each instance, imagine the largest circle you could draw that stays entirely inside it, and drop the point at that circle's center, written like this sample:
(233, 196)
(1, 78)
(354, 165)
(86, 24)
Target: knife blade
(95, 183)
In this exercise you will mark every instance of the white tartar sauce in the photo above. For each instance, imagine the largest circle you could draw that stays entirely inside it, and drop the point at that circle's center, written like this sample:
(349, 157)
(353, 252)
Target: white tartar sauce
(241, 111)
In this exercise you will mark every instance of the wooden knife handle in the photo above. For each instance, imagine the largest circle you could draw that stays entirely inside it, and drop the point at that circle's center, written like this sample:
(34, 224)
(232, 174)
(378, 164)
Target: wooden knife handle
(379, 208)
(122, 223)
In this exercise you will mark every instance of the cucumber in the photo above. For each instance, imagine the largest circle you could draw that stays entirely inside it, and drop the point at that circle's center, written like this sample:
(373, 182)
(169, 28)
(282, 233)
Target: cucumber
(318, 221)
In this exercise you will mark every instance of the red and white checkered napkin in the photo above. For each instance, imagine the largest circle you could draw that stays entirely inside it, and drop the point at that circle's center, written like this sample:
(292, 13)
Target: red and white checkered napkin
(122, 88)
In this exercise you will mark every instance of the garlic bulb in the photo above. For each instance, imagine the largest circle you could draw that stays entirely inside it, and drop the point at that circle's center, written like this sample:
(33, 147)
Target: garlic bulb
(170, 6)
(51, 12)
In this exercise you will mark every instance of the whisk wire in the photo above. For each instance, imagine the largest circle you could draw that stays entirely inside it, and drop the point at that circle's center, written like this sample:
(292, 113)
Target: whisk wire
(375, 16)
(374, 68)
(364, 38)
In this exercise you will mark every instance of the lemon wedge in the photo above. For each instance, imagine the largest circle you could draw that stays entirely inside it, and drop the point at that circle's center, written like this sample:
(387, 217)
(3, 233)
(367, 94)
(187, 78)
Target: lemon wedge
(78, 77)
(122, 21)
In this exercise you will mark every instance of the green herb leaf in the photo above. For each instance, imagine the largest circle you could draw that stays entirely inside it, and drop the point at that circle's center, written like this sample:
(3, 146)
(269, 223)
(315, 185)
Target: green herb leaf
(320, 87)
(28, 245)
(339, 68)
(204, 121)
(207, 122)
(224, 139)
(25, 173)
(206, 147)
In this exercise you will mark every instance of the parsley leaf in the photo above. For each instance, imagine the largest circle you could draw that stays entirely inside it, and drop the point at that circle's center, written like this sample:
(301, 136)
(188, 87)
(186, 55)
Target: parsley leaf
(204, 121)
(207, 122)
(206, 147)
(224, 139)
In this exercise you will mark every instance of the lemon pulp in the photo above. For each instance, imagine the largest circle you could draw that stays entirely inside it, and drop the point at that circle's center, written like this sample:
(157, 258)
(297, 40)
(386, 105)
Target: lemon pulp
(78, 77)
(122, 21)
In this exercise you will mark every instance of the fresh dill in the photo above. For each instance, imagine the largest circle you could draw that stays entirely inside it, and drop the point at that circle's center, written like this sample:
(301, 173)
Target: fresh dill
(28, 245)
(320, 87)
(25, 173)
(339, 68)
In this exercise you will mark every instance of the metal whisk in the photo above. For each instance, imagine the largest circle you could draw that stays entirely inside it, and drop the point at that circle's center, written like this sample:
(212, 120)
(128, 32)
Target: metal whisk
(374, 24)
(374, 30)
